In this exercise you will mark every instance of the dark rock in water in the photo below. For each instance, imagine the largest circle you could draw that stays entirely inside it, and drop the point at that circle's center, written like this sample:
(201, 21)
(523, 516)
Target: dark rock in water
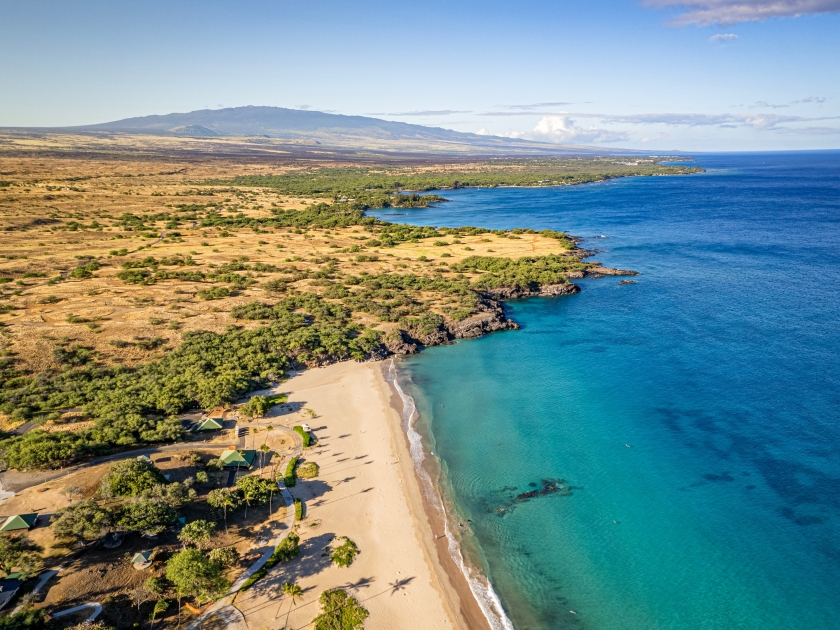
(600, 272)
(548, 486)
(627, 282)
(547, 290)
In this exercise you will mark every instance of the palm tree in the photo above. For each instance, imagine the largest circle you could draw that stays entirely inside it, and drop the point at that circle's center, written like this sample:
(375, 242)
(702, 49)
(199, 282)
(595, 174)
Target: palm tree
(263, 452)
(292, 590)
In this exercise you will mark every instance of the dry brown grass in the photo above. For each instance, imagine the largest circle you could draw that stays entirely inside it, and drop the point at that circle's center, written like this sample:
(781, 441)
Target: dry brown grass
(54, 180)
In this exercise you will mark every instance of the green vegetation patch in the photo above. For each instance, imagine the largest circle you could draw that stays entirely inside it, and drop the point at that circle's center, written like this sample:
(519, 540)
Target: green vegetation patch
(289, 478)
(307, 439)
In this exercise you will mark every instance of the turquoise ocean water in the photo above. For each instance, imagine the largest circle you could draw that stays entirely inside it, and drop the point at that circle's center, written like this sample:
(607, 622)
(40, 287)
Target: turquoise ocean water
(695, 415)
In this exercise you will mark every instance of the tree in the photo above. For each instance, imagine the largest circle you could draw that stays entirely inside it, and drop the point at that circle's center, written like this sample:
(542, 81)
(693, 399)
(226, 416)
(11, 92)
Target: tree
(223, 499)
(292, 590)
(225, 556)
(339, 611)
(173, 494)
(197, 533)
(147, 516)
(288, 549)
(193, 574)
(160, 606)
(256, 407)
(82, 521)
(38, 449)
(155, 586)
(72, 492)
(18, 553)
(130, 478)
(254, 489)
(264, 449)
(139, 595)
(344, 554)
(24, 620)
(201, 477)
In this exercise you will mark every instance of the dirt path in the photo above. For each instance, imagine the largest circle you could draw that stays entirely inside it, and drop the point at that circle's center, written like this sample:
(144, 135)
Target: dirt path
(14, 481)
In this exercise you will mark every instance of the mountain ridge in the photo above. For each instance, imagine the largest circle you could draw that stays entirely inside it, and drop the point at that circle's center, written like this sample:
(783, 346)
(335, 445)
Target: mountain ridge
(328, 129)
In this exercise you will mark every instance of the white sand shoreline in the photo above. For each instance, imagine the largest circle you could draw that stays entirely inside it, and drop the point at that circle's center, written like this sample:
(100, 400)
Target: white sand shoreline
(479, 586)
(367, 491)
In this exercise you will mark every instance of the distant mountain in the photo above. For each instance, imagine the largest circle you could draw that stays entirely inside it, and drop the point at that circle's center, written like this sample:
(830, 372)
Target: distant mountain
(193, 130)
(358, 132)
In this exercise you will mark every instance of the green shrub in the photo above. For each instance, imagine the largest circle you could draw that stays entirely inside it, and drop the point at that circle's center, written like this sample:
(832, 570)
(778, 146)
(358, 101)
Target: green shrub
(289, 478)
(130, 478)
(307, 470)
(298, 509)
(216, 293)
(307, 439)
(253, 579)
(287, 550)
(344, 554)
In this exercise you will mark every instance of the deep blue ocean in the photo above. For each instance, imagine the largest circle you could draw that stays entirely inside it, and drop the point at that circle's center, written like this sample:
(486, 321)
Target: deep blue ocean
(695, 415)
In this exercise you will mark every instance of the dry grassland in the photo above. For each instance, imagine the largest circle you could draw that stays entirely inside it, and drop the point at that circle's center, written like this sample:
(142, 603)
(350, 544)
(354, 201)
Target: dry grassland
(59, 209)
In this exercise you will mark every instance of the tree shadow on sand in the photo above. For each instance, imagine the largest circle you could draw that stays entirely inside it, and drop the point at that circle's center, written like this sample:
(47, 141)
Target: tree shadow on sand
(314, 557)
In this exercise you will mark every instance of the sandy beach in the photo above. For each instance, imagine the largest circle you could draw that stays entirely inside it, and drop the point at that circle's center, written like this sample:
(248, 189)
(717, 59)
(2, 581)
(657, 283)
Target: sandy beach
(367, 490)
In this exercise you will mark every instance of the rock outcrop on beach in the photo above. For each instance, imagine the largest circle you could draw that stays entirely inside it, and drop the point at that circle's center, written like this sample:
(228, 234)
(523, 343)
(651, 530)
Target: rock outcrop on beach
(481, 324)
(399, 342)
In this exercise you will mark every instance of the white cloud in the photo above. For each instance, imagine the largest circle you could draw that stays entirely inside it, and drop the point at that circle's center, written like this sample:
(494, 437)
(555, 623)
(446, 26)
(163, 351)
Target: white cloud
(726, 12)
(811, 99)
(482, 132)
(658, 136)
(562, 129)
(722, 38)
(533, 106)
(756, 121)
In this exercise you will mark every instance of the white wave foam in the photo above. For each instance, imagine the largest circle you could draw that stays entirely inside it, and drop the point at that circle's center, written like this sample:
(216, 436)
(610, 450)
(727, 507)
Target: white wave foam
(480, 586)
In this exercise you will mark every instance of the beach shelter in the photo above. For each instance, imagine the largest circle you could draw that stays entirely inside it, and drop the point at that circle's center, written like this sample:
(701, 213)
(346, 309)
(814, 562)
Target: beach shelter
(141, 557)
(19, 521)
(234, 459)
(210, 424)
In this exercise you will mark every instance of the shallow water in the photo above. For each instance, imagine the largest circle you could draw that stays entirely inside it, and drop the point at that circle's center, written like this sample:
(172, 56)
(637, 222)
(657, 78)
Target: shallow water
(694, 415)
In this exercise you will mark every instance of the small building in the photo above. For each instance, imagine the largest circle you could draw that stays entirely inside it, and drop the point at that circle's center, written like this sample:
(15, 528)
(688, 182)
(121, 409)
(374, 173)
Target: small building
(19, 521)
(210, 424)
(8, 588)
(237, 459)
(142, 560)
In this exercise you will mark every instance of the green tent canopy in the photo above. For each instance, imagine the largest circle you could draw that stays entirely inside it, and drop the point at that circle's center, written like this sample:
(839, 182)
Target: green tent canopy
(141, 557)
(19, 521)
(210, 424)
(232, 459)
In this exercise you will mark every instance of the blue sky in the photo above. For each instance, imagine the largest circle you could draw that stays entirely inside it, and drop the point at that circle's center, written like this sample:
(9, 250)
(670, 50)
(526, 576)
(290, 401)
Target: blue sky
(700, 75)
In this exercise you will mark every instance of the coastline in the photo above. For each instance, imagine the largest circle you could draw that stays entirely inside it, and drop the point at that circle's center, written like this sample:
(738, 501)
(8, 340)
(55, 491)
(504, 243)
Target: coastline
(365, 492)
(468, 592)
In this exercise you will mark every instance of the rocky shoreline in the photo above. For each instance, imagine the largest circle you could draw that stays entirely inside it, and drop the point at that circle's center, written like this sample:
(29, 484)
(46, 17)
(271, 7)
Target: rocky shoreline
(490, 316)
